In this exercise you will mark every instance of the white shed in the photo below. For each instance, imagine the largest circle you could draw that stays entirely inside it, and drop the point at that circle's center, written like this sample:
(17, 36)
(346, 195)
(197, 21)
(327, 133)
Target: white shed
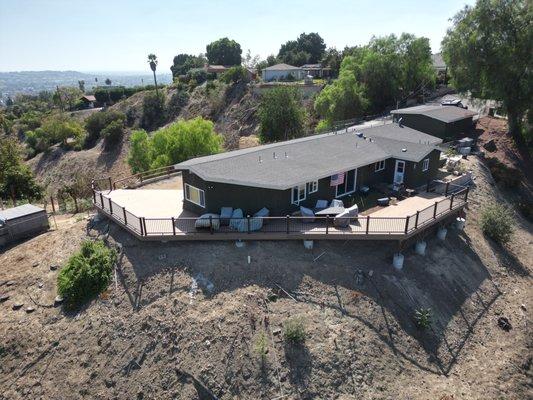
(22, 221)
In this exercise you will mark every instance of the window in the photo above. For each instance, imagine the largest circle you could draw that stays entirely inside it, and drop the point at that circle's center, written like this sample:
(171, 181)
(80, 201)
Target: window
(380, 166)
(195, 195)
(348, 186)
(425, 164)
(298, 194)
(312, 187)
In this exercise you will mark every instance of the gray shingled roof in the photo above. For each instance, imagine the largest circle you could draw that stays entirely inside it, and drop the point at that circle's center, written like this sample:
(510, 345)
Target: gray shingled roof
(442, 113)
(287, 164)
(20, 211)
(281, 67)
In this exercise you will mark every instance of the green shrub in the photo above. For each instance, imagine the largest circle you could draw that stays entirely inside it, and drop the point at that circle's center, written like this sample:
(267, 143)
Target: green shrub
(154, 114)
(86, 273)
(294, 330)
(261, 346)
(423, 318)
(177, 101)
(113, 133)
(281, 114)
(497, 222)
(508, 177)
(323, 126)
(234, 74)
(526, 209)
(97, 122)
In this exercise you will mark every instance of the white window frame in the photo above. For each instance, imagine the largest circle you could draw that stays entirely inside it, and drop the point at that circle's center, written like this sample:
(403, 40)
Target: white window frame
(201, 195)
(425, 165)
(337, 195)
(299, 191)
(312, 187)
(380, 166)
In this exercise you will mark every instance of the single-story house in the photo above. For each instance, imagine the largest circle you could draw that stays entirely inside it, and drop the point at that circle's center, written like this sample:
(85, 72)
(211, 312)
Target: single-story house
(22, 221)
(316, 70)
(88, 101)
(283, 176)
(281, 72)
(445, 122)
(438, 63)
(216, 69)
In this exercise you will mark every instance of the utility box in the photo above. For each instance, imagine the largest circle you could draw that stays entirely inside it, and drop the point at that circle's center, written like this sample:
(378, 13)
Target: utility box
(22, 221)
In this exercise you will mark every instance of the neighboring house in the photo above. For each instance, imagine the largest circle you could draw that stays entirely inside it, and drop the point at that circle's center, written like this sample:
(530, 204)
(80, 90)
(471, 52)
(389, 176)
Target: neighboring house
(282, 72)
(22, 221)
(438, 62)
(88, 101)
(316, 70)
(445, 122)
(215, 69)
(282, 176)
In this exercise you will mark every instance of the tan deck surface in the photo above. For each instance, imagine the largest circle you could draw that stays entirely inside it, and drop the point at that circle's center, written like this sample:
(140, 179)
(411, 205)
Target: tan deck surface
(408, 206)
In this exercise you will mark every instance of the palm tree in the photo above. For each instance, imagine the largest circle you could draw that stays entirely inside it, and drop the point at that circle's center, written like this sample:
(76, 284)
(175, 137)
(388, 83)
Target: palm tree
(152, 60)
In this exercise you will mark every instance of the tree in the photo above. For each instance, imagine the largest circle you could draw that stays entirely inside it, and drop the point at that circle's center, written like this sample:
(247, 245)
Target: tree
(249, 61)
(281, 114)
(139, 155)
(488, 52)
(234, 75)
(308, 48)
(81, 85)
(108, 82)
(183, 63)
(224, 52)
(152, 60)
(97, 122)
(154, 114)
(332, 59)
(16, 179)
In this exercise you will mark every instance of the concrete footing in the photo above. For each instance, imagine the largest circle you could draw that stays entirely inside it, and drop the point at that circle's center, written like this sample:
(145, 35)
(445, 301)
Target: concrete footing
(397, 261)
(441, 233)
(239, 243)
(420, 248)
(460, 223)
(308, 244)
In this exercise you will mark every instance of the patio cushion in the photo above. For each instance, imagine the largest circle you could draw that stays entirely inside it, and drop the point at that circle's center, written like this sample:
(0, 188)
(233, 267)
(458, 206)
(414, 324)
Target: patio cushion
(307, 212)
(236, 219)
(336, 203)
(225, 215)
(264, 212)
(205, 220)
(321, 204)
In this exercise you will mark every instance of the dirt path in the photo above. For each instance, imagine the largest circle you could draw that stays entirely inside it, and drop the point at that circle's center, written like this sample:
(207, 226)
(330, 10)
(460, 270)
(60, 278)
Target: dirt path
(185, 315)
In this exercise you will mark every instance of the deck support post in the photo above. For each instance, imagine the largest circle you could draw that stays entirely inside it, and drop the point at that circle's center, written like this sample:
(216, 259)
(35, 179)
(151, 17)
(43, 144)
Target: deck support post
(211, 224)
(288, 221)
(435, 210)
(407, 224)
(110, 207)
(54, 207)
(94, 197)
(427, 186)
(367, 223)
(466, 194)
(173, 226)
(248, 223)
(141, 225)
(327, 224)
(144, 225)
(447, 187)
(416, 219)
(110, 184)
(123, 212)
(451, 201)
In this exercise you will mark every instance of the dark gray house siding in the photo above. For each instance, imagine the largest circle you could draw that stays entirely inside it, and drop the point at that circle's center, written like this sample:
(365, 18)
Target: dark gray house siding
(444, 130)
(279, 202)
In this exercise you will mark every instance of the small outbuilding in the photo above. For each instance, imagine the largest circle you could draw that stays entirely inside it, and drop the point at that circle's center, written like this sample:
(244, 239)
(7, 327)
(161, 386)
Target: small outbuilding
(22, 221)
(88, 101)
(445, 122)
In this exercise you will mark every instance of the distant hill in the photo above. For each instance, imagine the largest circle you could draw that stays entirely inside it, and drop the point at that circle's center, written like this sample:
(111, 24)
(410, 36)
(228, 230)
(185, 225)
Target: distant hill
(32, 82)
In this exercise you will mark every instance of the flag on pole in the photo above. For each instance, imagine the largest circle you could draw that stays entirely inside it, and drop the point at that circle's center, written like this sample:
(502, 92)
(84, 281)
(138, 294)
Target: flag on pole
(337, 179)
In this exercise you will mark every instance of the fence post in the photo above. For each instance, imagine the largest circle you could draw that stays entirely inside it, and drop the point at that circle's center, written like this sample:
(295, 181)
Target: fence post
(327, 224)
(144, 224)
(416, 220)
(435, 210)
(54, 207)
(447, 186)
(248, 222)
(173, 226)
(367, 223)
(110, 184)
(123, 212)
(466, 194)
(451, 201)
(94, 197)
(288, 219)
(211, 224)
(407, 224)
(141, 225)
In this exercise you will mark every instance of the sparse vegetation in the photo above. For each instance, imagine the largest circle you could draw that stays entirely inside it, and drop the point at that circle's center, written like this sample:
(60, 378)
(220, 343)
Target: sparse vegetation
(153, 111)
(508, 177)
(294, 330)
(261, 346)
(234, 75)
(281, 114)
(113, 133)
(97, 122)
(498, 222)
(86, 273)
(423, 318)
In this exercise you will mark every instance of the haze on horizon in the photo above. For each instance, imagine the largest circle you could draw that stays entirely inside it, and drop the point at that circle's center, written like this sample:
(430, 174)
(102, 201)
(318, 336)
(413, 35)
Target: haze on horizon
(118, 35)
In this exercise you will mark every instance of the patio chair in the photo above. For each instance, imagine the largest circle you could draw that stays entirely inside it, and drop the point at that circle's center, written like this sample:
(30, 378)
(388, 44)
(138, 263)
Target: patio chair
(321, 205)
(262, 213)
(308, 214)
(225, 215)
(208, 220)
(236, 219)
(342, 220)
(336, 203)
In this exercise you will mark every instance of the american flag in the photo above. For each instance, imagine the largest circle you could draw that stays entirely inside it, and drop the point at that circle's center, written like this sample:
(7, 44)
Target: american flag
(337, 179)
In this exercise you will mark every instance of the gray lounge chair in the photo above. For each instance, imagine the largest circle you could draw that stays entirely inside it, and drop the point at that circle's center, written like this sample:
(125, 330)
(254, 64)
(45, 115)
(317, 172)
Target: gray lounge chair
(308, 213)
(236, 219)
(336, 203)
(225, 215)
(342, 220)
(206, 220)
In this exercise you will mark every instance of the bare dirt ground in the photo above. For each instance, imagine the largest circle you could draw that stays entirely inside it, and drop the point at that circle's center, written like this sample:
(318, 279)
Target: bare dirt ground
(183, 317)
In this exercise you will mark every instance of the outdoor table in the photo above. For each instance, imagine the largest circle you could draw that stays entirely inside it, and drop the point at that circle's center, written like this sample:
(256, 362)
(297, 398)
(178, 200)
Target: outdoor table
(331, 211)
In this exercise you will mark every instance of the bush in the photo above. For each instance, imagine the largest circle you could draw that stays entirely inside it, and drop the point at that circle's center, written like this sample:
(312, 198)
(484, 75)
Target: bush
(261, 346)
(86, 273)
(526, 209)
(423, 318)
(323, 126)
(197, 76)
(497, 222)
(281, 114)
(177, 101)
(234, 75)
(57, 129)
(113, 133)
(97, 122)
(294, 330)
(508, 177)
(153, 110)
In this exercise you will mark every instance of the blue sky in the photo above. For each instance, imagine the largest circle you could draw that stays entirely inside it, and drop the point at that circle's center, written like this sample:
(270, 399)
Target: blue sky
(117, 35)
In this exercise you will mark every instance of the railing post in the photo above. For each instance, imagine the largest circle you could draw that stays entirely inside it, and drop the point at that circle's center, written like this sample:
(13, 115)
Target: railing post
(327, 224)
(466, 194)
(447, 186)
(141, 225)
(110, 184)
(416, 219)
(288, 220)
(367, 223)
(435, 210)
(451, 201)
(124, 213)
(54, 207)
(94, 198)
(406, 224)
(102, 201)
(173, 226)
(248, 223)
(110, 207)
(211, 224)
(144, 224)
